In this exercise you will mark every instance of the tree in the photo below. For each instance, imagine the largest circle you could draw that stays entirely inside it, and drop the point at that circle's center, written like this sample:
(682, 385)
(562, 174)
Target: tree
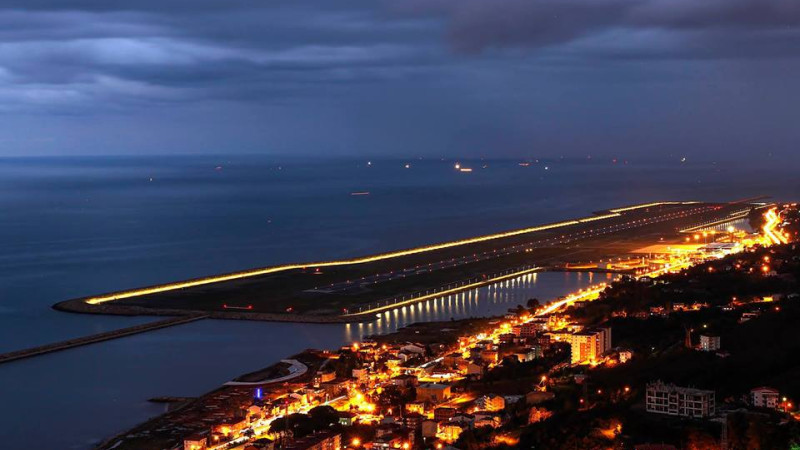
(323, 416)
(534, 303)
(755, 219)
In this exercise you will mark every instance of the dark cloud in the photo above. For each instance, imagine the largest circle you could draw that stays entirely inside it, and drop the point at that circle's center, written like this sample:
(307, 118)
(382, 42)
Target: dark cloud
(475, 25)
(436, 76)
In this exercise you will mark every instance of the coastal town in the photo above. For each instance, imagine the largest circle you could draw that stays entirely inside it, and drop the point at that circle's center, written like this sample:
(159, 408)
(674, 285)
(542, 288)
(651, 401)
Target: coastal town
(670, 342)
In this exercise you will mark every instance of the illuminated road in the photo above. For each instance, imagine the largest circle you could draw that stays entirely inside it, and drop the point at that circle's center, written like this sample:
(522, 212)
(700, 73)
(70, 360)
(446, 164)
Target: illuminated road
(770, 227)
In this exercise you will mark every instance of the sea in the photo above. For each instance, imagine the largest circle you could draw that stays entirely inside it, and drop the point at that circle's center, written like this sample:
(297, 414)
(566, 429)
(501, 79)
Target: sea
(75, 226)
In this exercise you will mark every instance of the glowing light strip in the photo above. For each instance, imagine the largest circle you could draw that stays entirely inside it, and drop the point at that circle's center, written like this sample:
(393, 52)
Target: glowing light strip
(554, 306)
(447, 292)
(647, 205)
(592, 219)
(367, 259)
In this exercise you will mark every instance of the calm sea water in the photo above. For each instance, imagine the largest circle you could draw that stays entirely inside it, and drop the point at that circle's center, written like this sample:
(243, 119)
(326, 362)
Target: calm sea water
(77, 226)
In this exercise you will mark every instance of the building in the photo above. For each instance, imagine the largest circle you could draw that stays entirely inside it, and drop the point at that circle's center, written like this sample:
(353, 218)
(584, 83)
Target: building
(529, 353)
(476, 369)
(404, 381)
(449, 432)
(765, 397)
(490, 402)
(415, 407)
(429, 428)
(709, 343)
(527, 330)
(327, 440)
(392, 440)
(588, 346)
(560, 336)
(453, 360)
(464, 419)
(324, 377)
(506, 338)
(433, 392)
(440, 414)
(679, 401)
(413, 348)
(413, 421)
(489, 355)
(230, 428)
(487, 420)
(195, 442)
(347, 418)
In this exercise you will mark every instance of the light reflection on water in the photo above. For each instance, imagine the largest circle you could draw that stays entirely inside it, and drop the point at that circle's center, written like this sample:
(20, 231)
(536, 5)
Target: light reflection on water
(491, 300)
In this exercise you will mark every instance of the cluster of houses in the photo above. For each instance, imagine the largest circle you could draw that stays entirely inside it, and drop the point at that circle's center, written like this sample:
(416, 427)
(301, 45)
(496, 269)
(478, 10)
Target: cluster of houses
(438, 409)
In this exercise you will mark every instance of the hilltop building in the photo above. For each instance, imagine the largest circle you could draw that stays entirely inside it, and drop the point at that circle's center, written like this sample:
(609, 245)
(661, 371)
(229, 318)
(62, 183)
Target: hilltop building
(679, 401)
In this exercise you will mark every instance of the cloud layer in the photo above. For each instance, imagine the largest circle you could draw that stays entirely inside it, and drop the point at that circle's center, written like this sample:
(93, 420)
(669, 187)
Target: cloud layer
(335, 60)
(476, 25)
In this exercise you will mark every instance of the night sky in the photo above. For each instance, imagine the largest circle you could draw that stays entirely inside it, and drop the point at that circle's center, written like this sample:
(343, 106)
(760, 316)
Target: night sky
(706, 79)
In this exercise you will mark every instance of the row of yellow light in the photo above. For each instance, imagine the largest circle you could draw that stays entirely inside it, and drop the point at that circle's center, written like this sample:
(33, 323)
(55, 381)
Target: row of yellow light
(730, 218)
(362, 260)
(455, 290)
(648, 205)
(590, 293)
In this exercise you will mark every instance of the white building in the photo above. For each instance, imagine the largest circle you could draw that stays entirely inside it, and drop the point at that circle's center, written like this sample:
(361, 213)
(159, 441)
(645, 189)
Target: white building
(765, 397)
(709, 343)
(679, 401)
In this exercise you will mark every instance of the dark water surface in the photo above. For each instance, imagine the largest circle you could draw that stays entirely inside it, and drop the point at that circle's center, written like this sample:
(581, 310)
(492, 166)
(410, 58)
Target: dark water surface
(79, 226)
